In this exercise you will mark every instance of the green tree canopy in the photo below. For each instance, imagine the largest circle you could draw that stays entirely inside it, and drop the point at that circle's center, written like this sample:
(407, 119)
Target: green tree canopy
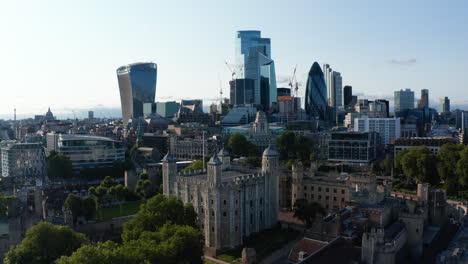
(59, 166)
(462, 167)
(307, 212)
(170, 244)
(81, 206)
(292, 146)
(239, 145)
(420, 165)
(156, 212)
(44, 243)
(387, 164)
(285, 144)
(163, 231)
(108, 252)
(252, 162)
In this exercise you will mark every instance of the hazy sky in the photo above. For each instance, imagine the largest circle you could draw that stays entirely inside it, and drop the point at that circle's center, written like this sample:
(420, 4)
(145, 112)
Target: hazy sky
(64, 54)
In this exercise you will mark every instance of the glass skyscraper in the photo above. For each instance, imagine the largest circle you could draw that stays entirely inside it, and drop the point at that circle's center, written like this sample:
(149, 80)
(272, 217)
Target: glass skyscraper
(404, 99)
(253, 59)
(137, 84)
(316, 94)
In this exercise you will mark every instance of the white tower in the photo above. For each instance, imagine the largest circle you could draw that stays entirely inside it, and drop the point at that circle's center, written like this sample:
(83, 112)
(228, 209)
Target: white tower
(270, 161)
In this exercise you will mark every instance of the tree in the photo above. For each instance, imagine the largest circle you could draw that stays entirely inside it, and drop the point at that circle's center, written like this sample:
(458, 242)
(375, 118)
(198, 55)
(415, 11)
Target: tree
(294, 146)
(240, 146)
(108, 182)
(81, 206)
(387, 164)
(462, 167)
(89, 207)
(286, 143)
(252, 162)
(59, 166)
(170, 244)
(302, 146)
(4, 205)
(397, 160)
(163, 231)
(119, 192)
(44, 243)
(449, 155)
(104, 253)
(307, 212)
(419, 164)
(74, 204)
(156, 212)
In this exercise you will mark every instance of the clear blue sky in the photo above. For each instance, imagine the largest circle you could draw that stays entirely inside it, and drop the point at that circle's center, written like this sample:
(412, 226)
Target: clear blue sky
(65, 53)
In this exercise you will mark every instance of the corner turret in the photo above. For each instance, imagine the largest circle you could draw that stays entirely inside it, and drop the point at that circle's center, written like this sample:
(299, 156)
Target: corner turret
(169, 168)
(214, 170)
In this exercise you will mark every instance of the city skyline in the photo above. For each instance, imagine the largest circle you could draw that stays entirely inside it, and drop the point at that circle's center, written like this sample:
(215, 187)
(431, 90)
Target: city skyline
(64, 62)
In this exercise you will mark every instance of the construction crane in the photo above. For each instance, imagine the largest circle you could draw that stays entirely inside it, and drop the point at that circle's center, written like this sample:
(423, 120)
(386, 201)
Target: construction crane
(233, 73)
(294, 85)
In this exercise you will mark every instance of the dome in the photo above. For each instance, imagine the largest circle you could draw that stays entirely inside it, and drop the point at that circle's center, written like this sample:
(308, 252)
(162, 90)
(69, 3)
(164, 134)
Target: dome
(270, 151)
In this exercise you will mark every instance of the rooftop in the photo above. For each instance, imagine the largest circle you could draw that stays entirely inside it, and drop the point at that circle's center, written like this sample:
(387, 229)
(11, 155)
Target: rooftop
(69, 137)
(307, 246)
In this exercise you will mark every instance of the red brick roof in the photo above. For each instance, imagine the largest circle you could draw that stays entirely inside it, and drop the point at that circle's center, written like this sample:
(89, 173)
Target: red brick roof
(307, 245)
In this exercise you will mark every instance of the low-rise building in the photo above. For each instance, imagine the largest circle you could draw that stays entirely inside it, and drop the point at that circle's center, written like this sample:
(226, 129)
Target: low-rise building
(25, 160)
(353, 146)
(432, 143)
(87, 150)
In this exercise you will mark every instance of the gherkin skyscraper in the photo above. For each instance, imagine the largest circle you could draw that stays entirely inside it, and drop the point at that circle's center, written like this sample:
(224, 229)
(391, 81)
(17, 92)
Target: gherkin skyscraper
(316, 94)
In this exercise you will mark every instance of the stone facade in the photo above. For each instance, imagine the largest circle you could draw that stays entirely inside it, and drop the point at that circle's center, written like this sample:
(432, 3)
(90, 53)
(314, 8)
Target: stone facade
(231, 203)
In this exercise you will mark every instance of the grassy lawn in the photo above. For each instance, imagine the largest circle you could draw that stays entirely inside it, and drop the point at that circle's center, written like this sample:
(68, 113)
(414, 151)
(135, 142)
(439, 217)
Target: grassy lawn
(107, 213)
(265, 243)
(228, 258)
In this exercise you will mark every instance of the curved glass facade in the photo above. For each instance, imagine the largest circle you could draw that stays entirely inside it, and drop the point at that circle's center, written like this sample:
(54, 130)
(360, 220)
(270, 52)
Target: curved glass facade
(316, 94)
(137, 84)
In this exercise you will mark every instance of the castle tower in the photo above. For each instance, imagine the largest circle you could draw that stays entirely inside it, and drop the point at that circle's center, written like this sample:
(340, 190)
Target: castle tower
(413, 219)
(270, 165)
(214, 171)
(260, 126)
(423, 192)
(169, 168)
(225, 158)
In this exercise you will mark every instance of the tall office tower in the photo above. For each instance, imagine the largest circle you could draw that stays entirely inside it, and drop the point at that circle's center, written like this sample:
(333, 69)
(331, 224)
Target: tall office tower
(444, 105)
(333, 82)
(316, 94)
(137, 84)
(424, 101)
(387, 105)
(241, 91)
(404, 100)
(464, 120)
(90, 115)
(347, 95)
(388, 128)
(253, 57)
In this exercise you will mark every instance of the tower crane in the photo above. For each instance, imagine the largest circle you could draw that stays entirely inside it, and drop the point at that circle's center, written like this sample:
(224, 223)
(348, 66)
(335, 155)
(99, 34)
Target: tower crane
(294, 85)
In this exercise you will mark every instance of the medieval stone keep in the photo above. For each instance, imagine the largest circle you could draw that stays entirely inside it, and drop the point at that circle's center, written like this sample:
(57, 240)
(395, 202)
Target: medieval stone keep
(231, 202)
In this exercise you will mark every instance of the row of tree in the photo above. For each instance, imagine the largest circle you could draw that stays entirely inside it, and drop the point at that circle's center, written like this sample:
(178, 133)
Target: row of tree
(419, 164)
(163, 231)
